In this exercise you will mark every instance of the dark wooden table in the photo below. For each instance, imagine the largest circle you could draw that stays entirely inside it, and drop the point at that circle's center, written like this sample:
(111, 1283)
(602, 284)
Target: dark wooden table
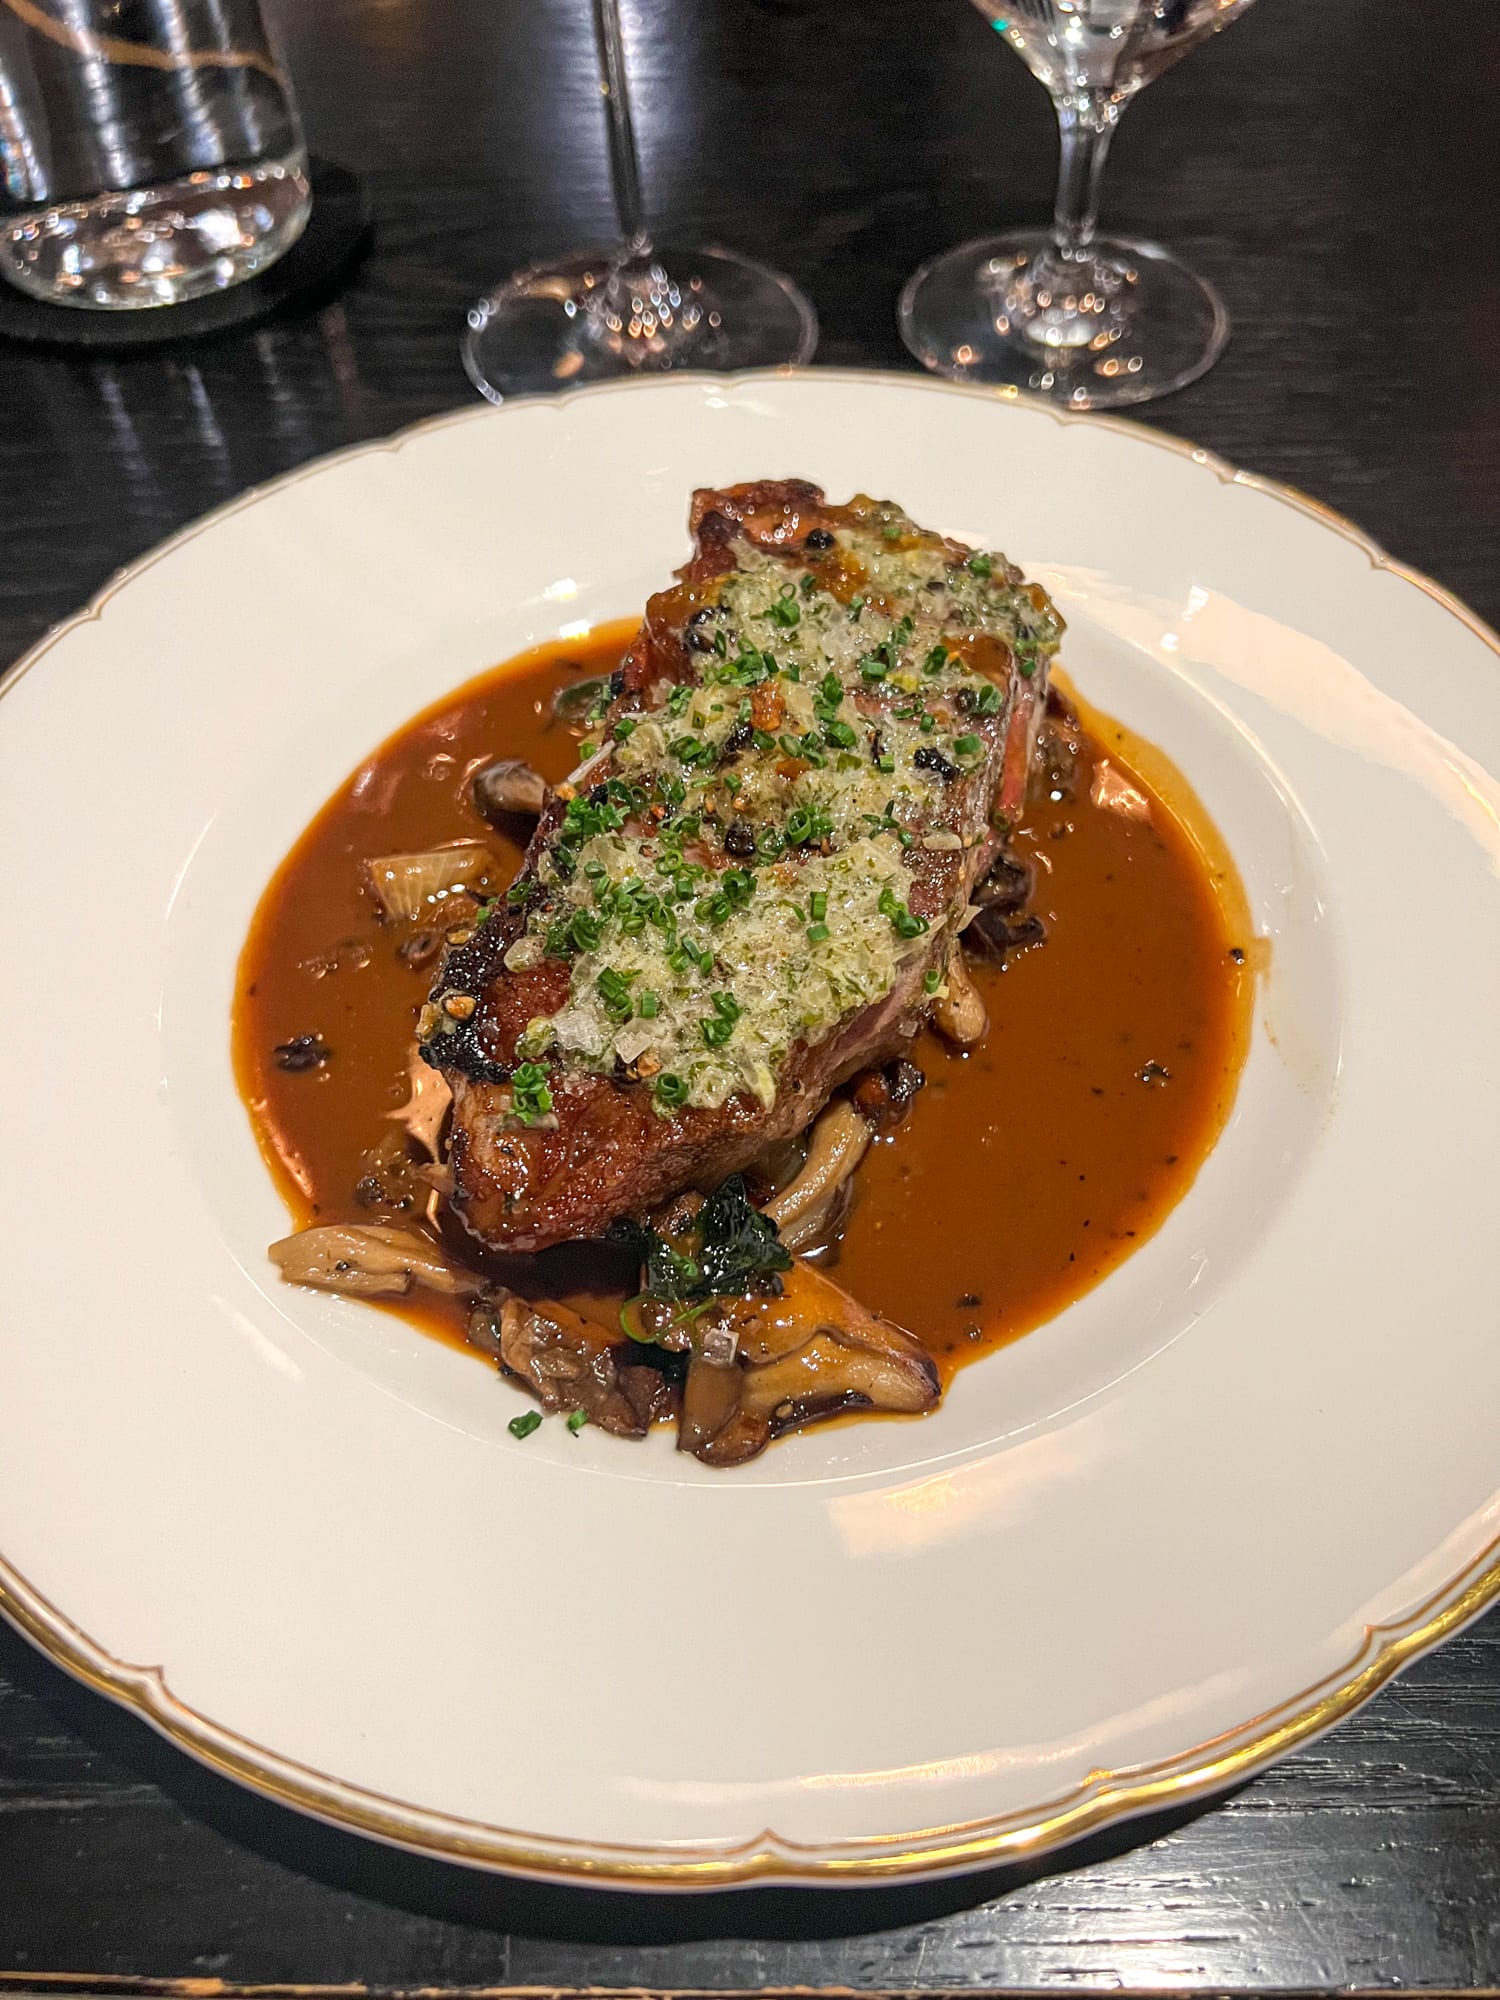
(1332, 165)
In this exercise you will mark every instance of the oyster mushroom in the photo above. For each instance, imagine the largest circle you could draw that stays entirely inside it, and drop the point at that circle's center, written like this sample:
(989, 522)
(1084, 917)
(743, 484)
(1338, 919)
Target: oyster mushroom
(804, 1208)
(958, 1013)
(408, 885)
(370, 1260)
(507, 786)
(807, 1353)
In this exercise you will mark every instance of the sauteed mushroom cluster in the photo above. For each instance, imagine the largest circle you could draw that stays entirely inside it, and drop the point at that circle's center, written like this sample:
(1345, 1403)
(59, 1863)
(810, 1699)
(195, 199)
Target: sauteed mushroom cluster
(735, 1332)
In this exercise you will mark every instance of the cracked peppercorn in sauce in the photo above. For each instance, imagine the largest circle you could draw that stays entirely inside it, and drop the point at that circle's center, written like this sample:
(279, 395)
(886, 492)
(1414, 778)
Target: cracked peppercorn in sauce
(999, 1177)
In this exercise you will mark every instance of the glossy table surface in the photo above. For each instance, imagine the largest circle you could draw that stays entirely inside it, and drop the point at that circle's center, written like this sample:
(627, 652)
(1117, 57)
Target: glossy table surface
(1331, 165)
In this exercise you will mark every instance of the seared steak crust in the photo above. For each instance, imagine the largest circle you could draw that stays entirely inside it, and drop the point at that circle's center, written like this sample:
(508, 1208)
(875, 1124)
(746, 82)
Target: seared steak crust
(749, 890)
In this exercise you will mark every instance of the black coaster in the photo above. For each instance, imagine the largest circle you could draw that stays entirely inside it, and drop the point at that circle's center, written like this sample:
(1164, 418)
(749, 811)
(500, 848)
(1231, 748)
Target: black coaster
(337, 232)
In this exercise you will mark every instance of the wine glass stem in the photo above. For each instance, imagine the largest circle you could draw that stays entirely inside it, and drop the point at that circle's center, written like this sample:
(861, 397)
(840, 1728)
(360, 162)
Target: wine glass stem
(1086, 122)
(624, 160)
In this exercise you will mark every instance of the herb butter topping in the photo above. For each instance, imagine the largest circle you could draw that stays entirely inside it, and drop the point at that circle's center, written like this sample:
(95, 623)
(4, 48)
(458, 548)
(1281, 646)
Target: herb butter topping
(736, 877)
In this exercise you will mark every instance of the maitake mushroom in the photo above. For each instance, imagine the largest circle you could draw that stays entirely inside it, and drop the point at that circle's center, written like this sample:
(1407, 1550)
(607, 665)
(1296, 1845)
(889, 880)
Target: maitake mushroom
(570, 1364)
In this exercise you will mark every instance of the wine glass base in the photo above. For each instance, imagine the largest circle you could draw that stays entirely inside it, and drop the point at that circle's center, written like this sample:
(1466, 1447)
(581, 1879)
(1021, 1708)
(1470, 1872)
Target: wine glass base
(1159, 329)
(603, 314)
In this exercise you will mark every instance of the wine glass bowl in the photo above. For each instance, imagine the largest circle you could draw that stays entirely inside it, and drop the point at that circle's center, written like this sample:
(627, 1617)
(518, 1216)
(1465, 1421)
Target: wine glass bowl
(638, 307)
(1115, 45)
(1087, 321)
(631, 310)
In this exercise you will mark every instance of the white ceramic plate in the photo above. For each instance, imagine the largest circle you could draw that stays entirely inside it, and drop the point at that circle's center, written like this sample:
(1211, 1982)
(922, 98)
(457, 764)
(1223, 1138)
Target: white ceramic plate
(1137, 1554)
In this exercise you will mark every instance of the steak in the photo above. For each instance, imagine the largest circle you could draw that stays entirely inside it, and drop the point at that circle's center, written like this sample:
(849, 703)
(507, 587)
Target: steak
(748, 891)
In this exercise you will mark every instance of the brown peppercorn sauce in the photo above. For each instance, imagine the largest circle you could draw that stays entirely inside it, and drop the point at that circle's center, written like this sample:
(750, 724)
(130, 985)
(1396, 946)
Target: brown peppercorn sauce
(1023, 1172)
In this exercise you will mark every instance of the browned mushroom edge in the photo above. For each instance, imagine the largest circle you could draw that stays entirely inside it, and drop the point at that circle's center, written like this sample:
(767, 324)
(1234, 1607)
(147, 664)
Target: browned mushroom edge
(806, 1354)
(507, 787)
(958, 1013)
(408, 886)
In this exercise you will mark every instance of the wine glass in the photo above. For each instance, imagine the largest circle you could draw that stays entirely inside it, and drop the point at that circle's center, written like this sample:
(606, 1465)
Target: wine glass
(1085, 320)
(635, 308)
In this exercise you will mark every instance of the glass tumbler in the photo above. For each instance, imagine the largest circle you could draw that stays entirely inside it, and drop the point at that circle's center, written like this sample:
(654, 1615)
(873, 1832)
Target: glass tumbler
(150, 150)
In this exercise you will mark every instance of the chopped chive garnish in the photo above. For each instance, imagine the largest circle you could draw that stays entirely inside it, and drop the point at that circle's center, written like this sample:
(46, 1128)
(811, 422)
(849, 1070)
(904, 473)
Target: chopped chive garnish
(727, 1011)
(933, 981)
(967, 746)
(530, 1097)
(525, 1424)
(817, 905)
(816, 933)
(902, 921)
(583, 929)
(614, 988)
(577, 1421)
(647, 1005)
(670, 1090)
